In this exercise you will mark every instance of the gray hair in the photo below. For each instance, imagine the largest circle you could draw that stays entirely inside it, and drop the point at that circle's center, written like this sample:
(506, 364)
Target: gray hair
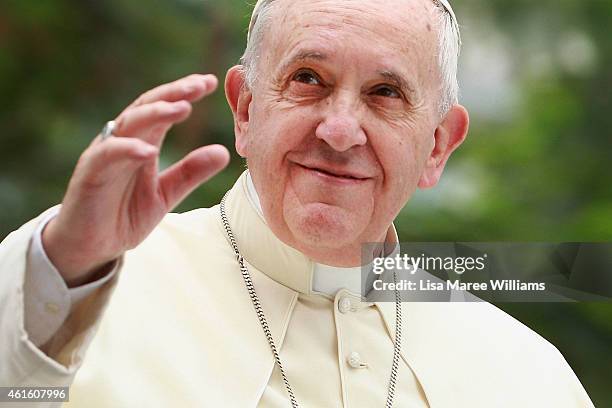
(449, 46)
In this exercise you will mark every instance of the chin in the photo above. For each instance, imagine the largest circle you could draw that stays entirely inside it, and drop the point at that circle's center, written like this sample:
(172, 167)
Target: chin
(323, 225)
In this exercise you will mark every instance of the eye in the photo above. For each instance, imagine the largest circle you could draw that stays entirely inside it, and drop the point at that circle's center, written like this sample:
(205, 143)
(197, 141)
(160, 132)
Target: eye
(306, 77)
(387, 92)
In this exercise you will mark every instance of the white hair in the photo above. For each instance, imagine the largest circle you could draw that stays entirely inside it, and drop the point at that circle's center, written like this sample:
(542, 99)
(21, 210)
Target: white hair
(449, 46)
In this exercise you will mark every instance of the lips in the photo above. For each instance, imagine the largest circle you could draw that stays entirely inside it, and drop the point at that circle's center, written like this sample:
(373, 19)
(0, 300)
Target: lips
(339, 173)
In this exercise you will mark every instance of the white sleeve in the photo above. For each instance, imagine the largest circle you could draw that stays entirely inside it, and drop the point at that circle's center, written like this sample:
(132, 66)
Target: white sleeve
(47, 299)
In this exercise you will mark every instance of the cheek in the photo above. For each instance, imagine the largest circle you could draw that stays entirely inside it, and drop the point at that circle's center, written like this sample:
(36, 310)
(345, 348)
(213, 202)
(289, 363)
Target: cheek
(275, 132)
(279, 130)
(399, 161)
(403, 160)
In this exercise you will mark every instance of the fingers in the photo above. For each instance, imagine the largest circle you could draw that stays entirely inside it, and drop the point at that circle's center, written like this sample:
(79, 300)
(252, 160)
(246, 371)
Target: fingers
(114, 159)
(190, 88)
(154, 112)
(150, 122)
(183, 177)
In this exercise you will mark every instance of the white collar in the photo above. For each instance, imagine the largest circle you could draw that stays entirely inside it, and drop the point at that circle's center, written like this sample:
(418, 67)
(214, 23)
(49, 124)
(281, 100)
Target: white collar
(326, 279)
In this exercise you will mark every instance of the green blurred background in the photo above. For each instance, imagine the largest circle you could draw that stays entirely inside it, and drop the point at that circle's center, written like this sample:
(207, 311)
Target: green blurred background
(536, 77)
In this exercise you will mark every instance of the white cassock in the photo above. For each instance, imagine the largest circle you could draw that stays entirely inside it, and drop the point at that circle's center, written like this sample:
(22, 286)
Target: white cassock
(176, 327)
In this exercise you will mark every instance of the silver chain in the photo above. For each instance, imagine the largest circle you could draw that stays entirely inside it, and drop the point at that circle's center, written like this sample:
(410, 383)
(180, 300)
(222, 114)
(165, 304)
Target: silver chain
(266, 328)
(397, 345)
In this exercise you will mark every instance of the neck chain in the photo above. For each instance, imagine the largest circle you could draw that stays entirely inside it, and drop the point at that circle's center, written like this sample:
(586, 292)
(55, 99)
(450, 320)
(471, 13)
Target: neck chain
(266, 329)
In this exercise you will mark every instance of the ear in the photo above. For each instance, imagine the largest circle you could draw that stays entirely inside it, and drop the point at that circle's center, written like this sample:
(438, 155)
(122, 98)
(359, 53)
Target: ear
(449, 135)
(239, 98)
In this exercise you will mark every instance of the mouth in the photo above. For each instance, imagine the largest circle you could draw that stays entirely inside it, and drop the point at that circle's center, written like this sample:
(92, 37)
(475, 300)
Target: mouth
(331, 174)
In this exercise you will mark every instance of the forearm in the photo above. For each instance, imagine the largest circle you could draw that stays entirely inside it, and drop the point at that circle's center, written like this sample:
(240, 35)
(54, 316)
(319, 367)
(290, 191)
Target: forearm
(23, 360)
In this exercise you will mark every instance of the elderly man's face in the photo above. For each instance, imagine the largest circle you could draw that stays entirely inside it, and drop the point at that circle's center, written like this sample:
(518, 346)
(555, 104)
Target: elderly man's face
(340, 127)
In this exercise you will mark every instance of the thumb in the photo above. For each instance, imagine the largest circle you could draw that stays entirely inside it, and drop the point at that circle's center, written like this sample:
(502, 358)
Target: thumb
(197, 167)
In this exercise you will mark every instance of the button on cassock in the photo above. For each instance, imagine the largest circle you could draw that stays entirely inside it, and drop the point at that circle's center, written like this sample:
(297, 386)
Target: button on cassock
(344, 305)
(354, 360)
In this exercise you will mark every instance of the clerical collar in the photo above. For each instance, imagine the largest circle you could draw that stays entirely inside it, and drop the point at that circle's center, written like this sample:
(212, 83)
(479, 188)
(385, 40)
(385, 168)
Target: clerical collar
(326, 279)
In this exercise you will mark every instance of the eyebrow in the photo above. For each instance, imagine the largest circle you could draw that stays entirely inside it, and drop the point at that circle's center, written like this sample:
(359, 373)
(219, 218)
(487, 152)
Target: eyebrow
(301, 56)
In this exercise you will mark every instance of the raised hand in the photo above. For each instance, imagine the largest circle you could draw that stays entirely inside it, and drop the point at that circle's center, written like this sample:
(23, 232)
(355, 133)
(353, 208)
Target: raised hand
(116, 195)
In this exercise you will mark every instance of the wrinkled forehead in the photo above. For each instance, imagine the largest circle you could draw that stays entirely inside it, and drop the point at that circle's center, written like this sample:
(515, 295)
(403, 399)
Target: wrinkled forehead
(260, 3)
(400, 34)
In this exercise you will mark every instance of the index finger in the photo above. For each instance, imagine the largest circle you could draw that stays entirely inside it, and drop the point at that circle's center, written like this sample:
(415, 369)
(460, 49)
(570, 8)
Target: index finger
(190, 88)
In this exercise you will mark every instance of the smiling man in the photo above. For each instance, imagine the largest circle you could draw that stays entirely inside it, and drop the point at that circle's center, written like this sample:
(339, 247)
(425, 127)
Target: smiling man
(351, 115)
(342, 109)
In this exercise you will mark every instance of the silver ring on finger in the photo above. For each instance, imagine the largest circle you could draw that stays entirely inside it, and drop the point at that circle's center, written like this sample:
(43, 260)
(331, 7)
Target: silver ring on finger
(107, 131)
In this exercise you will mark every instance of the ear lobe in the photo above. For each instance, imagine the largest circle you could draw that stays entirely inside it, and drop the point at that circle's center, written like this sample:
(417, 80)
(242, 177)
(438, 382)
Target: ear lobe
(239, 99)
(448, 136)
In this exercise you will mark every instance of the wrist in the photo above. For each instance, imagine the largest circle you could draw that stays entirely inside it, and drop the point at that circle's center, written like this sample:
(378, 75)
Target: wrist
(71, 261)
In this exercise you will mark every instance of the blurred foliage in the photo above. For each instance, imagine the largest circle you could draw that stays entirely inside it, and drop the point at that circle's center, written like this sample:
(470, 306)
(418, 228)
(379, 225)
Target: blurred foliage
(536, 165)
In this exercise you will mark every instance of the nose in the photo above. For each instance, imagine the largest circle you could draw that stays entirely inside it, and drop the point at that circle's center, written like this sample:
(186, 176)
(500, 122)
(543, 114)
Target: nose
(341, 129)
